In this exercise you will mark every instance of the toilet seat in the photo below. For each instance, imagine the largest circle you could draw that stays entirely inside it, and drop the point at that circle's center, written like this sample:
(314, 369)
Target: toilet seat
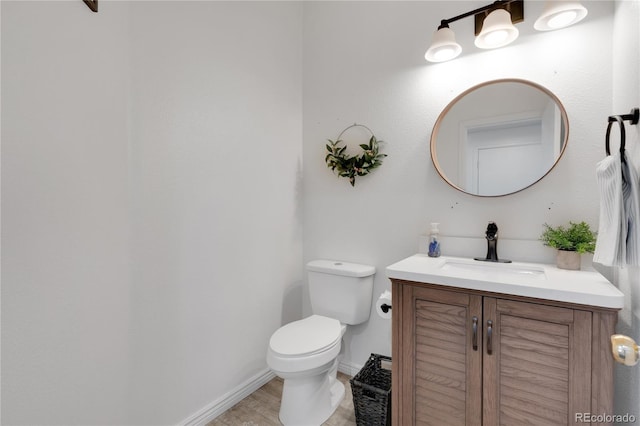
(306, 337)
(304, 345)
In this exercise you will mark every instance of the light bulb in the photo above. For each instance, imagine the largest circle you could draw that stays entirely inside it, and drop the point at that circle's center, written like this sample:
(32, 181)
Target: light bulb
(496, 38)
(442, 54)
(562, 19)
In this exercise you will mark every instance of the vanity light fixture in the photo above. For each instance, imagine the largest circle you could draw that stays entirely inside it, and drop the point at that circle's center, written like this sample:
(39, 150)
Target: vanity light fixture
(497, 30)
(493, 28)
(560, 14)
(443, 46)
(494, 25)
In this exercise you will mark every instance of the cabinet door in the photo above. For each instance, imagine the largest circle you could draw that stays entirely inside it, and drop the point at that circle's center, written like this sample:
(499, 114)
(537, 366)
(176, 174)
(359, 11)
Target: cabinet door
(537, 363)
(441, 370)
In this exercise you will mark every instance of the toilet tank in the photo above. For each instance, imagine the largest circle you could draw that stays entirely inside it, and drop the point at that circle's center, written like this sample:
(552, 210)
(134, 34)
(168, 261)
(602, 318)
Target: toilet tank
(341, 290)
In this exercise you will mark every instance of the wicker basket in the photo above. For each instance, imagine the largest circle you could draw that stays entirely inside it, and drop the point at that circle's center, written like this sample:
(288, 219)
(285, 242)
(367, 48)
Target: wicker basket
(371, 389)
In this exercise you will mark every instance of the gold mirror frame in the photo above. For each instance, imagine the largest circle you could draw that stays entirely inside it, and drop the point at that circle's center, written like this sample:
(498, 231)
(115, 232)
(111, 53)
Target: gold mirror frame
(436, 128)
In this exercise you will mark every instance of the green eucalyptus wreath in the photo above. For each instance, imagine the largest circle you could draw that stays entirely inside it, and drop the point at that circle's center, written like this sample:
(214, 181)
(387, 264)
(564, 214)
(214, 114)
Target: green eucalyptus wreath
(352, 166)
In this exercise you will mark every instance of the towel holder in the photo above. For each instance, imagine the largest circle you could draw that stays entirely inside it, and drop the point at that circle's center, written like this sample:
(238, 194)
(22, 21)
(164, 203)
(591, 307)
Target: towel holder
(632, 117)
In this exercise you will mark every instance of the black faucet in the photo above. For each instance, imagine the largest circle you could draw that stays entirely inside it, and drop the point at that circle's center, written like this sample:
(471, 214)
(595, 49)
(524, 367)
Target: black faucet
(492, 245)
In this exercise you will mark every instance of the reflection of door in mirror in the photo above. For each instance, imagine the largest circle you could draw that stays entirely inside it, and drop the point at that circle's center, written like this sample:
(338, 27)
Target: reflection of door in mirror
(499, 138)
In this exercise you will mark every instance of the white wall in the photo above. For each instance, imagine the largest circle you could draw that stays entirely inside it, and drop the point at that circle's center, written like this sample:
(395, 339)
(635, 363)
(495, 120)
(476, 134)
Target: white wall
(626, 95)
(364, 62)
(65, 217)
(151, 165)
(216, 162)
(151, 181)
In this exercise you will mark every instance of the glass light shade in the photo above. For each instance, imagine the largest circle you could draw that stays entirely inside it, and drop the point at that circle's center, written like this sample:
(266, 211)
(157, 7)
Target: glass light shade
(560, 14)
(443, 46)
(497, 30)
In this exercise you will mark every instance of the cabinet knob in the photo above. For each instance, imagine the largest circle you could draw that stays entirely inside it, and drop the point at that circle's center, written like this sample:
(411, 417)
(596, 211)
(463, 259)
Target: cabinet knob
(624, 349)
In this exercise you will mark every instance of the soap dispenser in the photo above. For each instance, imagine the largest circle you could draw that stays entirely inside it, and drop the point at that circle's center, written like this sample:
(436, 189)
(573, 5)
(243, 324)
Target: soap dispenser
(434, 241)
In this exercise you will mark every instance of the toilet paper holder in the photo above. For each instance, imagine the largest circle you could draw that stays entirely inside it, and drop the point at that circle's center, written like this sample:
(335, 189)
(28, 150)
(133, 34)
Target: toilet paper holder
(383, 305)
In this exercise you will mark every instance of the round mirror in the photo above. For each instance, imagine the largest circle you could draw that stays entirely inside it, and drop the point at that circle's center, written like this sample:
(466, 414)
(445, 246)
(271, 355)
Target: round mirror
(499, 137)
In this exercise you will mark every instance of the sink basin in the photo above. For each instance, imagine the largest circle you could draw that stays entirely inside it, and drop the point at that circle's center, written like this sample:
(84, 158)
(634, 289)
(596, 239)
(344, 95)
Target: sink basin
(534, 280)
(492, 270)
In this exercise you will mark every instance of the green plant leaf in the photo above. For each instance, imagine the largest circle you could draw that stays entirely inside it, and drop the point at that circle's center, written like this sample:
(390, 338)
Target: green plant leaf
(352, 166)
(576, 237)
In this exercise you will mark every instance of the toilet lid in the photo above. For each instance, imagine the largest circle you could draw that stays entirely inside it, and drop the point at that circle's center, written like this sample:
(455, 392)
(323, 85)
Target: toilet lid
(312, 334)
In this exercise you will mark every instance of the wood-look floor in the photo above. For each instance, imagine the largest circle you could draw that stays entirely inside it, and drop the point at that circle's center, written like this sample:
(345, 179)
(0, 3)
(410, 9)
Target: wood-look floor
(261, 408)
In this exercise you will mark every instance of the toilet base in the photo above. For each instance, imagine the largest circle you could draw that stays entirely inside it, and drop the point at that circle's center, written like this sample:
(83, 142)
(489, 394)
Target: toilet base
(310, 401)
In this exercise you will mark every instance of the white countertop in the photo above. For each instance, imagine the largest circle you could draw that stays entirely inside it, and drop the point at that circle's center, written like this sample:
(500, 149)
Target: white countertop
(537, 280)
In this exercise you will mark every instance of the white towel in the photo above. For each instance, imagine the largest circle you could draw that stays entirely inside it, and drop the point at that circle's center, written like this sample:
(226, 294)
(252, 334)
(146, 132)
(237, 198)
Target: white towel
(631, 203)
(612, 229)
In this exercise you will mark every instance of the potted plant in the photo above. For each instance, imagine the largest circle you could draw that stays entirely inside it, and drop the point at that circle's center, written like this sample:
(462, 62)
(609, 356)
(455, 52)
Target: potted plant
(571, 242)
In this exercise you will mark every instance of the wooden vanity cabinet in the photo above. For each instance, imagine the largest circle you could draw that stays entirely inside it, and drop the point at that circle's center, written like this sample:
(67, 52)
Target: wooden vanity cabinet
(465, 357)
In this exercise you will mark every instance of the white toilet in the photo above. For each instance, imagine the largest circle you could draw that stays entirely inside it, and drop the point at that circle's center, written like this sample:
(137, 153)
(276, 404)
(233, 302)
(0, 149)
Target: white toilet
(305, 352)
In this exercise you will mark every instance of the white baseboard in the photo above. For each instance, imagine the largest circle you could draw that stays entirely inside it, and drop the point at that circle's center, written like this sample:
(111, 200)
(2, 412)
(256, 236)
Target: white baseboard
(228, 400)
(348, 368)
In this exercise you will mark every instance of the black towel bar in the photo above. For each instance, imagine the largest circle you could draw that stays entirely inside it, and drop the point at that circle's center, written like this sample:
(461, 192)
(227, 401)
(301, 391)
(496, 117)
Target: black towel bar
(633, 117)
(618, 119)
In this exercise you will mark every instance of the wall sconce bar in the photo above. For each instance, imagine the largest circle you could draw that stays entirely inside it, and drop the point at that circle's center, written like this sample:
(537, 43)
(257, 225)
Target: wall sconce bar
(493, 28)
(482, 12)
(494, 25)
